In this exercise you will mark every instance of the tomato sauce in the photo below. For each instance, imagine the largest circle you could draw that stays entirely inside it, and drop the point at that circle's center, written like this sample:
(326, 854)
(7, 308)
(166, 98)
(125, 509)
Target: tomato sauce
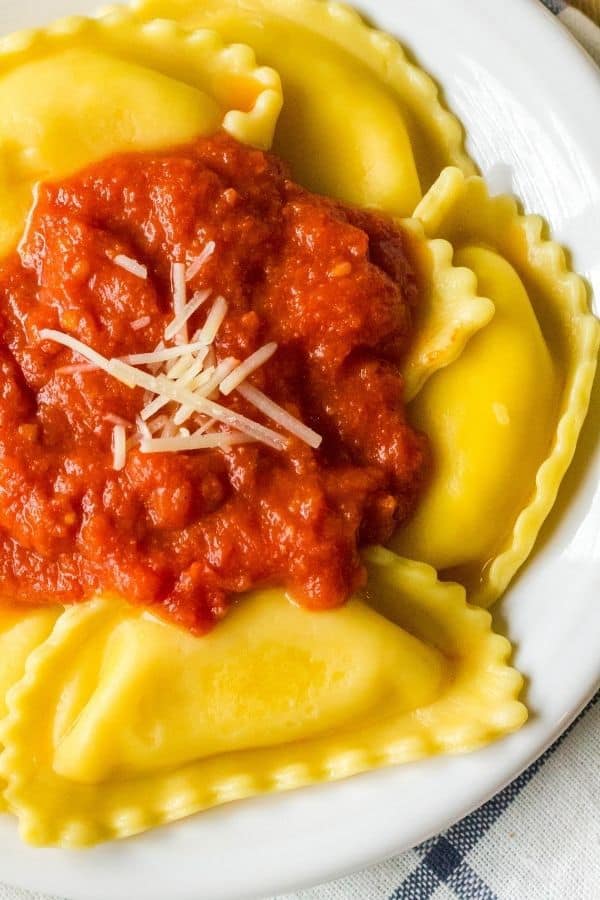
(183, 533)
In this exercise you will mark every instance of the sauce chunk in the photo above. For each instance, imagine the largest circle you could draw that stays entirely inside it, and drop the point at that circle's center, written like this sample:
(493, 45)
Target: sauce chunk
(183, 533)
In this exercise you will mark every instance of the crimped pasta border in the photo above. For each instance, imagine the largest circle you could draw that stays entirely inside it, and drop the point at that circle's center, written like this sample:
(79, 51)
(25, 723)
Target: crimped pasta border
(184, 791)
(122, 30)
(542, 262)
(380, 52)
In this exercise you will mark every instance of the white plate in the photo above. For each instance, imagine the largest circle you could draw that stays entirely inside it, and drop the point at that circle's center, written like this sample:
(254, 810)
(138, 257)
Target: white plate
(529, 99)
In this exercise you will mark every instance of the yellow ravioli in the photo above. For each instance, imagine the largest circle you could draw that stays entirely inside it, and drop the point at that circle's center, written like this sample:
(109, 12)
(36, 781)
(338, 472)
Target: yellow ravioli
(123, 722)
(359, 121)
(21, 630)
(450, 309)
(504, 418)
(85, 89)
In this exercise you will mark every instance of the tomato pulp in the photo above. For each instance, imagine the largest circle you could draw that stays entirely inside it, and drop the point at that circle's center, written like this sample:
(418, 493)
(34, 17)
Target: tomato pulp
(183, 533)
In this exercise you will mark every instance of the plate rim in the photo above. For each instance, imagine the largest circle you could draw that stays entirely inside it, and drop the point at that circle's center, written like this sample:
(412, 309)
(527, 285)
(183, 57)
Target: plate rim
(532, 15)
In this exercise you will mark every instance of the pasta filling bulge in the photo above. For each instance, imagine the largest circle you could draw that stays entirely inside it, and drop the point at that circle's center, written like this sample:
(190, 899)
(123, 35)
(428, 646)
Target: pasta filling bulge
(113, 720)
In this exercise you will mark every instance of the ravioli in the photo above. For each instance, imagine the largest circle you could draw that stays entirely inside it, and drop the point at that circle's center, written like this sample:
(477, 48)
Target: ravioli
(20, 632)
(137, 87)
(534, 362)
(123, 722)
(360, 122)
(449, 313)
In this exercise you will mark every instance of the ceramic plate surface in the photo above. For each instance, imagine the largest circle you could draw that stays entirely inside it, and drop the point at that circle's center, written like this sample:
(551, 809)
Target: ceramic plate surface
(528, 97)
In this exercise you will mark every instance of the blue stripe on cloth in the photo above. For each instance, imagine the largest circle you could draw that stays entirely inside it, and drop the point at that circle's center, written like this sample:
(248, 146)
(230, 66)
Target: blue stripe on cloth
(465, 882)
(443, 865)
(555, 6)
(465, 834)
(443, 858)
(419, 885)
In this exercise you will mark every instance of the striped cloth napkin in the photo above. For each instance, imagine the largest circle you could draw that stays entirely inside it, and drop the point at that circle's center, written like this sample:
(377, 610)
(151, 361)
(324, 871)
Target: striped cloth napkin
(582, 18)
(511, 847)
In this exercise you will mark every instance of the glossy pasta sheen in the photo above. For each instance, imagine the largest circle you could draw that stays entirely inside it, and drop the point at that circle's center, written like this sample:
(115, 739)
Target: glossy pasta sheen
(122, 722)
(450, 311)
(534, 362)
(360, 122)
(138, 87)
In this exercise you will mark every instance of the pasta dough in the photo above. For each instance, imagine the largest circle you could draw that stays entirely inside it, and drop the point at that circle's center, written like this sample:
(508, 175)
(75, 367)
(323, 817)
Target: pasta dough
(137, 87)
(359, 122)
(496, 476)
(20, 632)
(123, 722)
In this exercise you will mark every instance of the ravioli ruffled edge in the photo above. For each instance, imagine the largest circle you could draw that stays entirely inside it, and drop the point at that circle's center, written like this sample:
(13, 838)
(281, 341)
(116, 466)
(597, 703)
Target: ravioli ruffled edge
(542, 263)
(34, 626)
(479, 705)
(122, 29)
(379, 51)
(450, 309)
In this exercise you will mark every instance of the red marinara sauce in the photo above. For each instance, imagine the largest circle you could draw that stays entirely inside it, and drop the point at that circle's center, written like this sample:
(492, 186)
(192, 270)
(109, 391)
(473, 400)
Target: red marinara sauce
(183, 533)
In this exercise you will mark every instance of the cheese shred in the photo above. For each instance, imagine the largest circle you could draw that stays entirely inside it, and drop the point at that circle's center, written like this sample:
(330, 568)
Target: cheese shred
(186, 376)
(131, 265)
(279, 415)
(193, 442)
(178, 286)
(119, 447)
(182, 314)
(198, 261)
(250, 365)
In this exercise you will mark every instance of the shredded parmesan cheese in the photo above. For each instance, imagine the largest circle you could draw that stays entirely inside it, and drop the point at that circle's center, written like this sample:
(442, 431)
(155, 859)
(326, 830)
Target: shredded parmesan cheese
(193, 442)
(143, 430)
(156, 367)
(178, 286)
(186, 397)
(119, 447)
(279, 415)
(179, 324)
(130, 265)
(176, 367)
(214, 320)
(49, 334)
(157, 356)
(116, 420)
(187, 375)
(208, 385)
(131, 376)
(140, 323)
(198, 261)
(204, 376)
(205, 425)
(150, 409)
(250, 365)
(186, 378)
